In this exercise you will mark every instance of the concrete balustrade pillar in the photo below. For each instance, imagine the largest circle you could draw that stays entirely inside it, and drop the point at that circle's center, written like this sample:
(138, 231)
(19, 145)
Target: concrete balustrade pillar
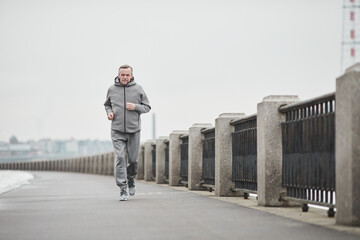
(83, 165)
(160, 160)
(148, 176)
(174, 157)
(111, 163)
(269, 149)
(86, 164)
(78, 164)
(61, 165)
(108, 164)
(69, 164)
(74, 164)
(196, 155)
(91, 164)
(94, 164)
(102, 164)
(223, 154)
(347, 147)
(141, 161)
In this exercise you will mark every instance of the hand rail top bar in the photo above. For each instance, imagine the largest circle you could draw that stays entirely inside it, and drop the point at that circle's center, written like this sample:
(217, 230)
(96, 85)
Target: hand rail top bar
(306, 103)
(207, 130)
(243, 119)
(182, 136)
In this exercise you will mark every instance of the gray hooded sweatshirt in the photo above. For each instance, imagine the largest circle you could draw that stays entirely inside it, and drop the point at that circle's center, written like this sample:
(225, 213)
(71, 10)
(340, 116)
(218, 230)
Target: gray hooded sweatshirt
(124, 120)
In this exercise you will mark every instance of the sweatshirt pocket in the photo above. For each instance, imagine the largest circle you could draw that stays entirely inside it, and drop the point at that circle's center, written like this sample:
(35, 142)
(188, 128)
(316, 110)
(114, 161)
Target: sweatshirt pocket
(132, 121)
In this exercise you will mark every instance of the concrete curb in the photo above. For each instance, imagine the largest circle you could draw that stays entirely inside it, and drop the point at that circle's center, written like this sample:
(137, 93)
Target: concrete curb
(314, 216)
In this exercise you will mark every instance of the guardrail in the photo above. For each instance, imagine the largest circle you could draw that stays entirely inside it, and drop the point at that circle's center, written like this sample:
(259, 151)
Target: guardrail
(308, 136)
(184, 159)
(167, 161)
(244, 154)
(102, 164)
(208, 161)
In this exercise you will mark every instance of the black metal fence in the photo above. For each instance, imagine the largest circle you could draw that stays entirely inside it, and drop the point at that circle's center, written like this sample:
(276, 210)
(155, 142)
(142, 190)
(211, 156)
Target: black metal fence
(208, 164)
(244, 152)
(153, 153)
(184, 158)
(167, 160)
(308, 138)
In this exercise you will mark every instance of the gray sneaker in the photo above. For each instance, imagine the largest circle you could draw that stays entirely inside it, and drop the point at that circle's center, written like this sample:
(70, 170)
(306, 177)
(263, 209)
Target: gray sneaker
(123, 195)
(131, 184)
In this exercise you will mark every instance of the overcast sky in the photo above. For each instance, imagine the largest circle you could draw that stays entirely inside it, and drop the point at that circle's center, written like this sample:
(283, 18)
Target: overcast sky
(195, 60)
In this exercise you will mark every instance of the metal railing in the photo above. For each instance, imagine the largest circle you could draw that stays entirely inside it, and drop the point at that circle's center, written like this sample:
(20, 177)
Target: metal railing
(184, 159)
(244, 154)
(308, 139)
(166, 160)
(97, 164)
(153, 159)
(208, 164)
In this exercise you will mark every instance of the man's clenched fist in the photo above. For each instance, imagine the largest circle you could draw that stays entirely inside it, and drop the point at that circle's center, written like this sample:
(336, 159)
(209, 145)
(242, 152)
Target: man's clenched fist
(111, 116)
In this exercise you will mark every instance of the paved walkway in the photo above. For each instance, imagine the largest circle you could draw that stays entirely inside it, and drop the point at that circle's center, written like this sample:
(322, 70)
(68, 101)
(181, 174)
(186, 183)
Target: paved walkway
(79, 206)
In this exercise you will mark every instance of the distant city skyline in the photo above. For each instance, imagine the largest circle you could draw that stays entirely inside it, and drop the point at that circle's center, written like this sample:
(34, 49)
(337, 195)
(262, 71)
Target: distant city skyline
(15, 150)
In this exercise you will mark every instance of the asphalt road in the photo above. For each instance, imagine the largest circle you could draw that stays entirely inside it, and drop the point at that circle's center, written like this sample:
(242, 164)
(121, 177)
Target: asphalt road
(79, 206)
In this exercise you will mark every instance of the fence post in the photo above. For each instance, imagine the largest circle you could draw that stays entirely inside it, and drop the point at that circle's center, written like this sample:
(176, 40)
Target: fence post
(148, 161)
(347, 147)
(223, 154)
(160, 159)
(174, 157)
(196, 155)
(269, 149)
(141, 160)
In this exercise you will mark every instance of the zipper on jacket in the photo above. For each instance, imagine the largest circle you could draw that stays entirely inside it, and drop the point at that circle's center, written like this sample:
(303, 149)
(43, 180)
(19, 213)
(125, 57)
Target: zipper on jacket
(124, 110)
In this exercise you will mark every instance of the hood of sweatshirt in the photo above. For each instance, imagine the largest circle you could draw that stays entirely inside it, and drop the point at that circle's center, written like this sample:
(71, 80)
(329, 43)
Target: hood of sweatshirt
(117, 82)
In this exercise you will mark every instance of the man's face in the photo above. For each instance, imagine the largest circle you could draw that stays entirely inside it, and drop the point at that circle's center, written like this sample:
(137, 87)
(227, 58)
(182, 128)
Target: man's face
(125, 75)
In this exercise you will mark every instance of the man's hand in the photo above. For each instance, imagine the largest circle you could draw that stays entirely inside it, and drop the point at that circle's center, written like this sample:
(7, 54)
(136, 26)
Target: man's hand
(111, 116)
(130, 106)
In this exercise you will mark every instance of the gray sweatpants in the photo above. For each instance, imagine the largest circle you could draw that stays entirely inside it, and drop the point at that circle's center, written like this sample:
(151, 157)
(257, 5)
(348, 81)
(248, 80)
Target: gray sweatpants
(130, 143)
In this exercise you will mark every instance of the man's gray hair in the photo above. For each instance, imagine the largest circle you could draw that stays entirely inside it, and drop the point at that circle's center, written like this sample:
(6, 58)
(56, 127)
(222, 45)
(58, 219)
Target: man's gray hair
(126, 66)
